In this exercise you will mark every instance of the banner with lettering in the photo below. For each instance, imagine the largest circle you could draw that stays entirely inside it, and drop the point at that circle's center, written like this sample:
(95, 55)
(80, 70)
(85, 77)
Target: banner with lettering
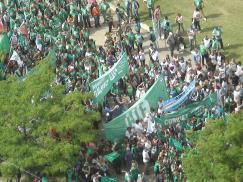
(115, 129)
(175, 102)
(101, 86)
(183, 114)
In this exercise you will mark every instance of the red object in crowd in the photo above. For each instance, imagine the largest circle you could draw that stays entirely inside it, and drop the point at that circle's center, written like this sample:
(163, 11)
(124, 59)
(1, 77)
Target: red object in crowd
(96, 11)
(23, 29)
(1, 26)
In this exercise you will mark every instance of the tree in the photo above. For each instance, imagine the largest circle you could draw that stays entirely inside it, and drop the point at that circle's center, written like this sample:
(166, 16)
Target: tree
(218, 152)
(41, 128)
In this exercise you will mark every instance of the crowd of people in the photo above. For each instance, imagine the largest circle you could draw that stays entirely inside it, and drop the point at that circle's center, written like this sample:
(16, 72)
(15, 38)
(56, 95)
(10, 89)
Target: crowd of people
(64, 26)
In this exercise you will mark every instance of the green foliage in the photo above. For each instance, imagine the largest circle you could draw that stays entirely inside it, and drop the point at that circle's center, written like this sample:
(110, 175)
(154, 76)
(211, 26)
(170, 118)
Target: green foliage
(218, 152)
(41, 128)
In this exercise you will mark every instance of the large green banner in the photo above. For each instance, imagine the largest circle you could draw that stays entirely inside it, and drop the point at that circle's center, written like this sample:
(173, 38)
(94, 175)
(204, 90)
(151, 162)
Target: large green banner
(115, 129)
(101, 86)
(196, 108)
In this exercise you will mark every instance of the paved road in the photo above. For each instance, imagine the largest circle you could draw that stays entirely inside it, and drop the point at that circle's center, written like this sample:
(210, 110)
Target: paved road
(98, 34)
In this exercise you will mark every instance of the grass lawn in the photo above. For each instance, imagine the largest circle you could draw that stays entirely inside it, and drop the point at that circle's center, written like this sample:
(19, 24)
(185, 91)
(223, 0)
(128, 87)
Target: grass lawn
(226, 13)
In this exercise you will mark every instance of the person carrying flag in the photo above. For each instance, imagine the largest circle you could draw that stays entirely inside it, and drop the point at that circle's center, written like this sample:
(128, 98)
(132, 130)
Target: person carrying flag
(199, 4)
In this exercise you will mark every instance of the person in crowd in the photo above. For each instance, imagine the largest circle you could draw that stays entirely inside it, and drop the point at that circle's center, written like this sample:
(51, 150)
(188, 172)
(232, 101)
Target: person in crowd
(179, 22)
(196, 19)
(66, 30)
(217, 33)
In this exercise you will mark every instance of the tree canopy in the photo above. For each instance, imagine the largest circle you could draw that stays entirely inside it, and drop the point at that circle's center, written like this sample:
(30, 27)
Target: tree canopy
(41, 128)
(218, 152)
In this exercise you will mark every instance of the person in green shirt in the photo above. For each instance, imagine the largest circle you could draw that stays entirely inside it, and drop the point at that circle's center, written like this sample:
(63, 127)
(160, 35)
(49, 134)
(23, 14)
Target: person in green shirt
(85, 16)
(134, 172)
(44, 179)
(157, 167)
(166, 27)
(150, 6)
(152, 36)
(199, 4)
(131, 38)
(214, 45)
(139, 41)
(217, 32)
(103, 9)
(203, 52)
(70, 175)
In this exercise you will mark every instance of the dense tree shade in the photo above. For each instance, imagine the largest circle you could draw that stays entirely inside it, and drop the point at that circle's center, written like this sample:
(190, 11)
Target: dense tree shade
(218, 152)
(41, 128)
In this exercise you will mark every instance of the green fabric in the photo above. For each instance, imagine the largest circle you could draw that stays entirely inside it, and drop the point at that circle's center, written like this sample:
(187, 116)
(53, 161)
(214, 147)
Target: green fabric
(4, 46)
(112, 156)
(217, 32)
(198, 3)
(101, 86)
(90, 151)
(70, 175)
(107, 179)
(103, 7)
(44, 179)
(134, 173)
(214, 44)
(202, 50)
(84, 10)
(184, 114)
(156, 167)
(139, 38)
(176, 144)
(131, 36)
(115, 129)
(150, 3)
(152, 36)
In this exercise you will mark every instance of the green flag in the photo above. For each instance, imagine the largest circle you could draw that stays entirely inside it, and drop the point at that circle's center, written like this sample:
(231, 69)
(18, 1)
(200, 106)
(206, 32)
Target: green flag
(115, 129)
(112, 156)
(4, 46)
(175, 143)
(106, 179)
(101, 86)
(196, 108)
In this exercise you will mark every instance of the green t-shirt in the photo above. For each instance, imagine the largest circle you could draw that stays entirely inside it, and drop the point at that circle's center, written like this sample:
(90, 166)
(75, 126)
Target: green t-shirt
(217, 33)
(103, 7)
(150, 3)
(139, 38)
(85, 34)
(214, 44)
(134, 173)
(131, 37)
(202, 50)
(198, 3)
(84, 11)
(152, 36)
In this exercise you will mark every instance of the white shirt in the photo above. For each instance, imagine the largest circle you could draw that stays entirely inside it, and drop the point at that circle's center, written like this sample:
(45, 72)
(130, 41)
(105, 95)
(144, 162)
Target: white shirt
(145, 156)
(179, 19)
(196, 15)
(206, 43)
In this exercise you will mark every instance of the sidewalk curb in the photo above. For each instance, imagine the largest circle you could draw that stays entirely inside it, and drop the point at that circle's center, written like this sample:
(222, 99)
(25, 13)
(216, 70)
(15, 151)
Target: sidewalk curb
(143, 25)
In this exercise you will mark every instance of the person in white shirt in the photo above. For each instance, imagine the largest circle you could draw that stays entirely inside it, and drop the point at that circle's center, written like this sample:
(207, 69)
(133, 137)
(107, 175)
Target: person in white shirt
(138, 128)
(146, 159)
(192, 37)
(179, 21)
(196, 19)
(207, 42)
